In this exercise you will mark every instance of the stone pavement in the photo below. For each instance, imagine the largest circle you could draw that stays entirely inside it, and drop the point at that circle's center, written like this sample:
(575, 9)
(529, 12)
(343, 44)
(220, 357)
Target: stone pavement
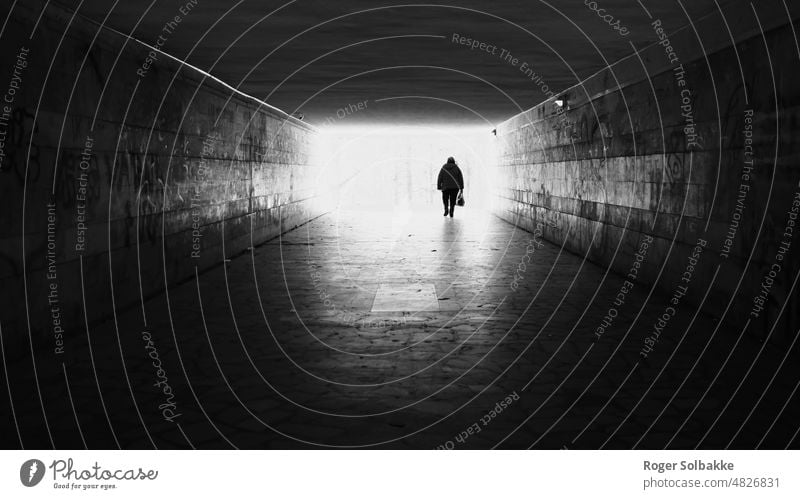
(405, 330)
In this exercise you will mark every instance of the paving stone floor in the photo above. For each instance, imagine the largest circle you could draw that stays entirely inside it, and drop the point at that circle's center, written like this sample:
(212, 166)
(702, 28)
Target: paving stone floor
(292, 345)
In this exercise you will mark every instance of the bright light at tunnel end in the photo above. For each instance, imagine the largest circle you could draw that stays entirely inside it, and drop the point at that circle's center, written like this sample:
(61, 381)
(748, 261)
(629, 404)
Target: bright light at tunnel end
(393, 167)
(403, 129)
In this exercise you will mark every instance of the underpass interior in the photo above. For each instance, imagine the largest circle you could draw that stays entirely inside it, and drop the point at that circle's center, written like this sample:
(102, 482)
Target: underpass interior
(225, 233)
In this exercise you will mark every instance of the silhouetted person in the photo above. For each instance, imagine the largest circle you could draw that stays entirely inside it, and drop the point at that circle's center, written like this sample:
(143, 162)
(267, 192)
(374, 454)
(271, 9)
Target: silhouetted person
(450, 182)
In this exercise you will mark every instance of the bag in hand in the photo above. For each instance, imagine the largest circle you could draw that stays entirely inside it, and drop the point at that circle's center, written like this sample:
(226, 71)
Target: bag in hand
(460, 199)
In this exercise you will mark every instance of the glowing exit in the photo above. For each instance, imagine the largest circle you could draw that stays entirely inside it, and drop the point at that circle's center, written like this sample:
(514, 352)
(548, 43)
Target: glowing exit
(395, 168)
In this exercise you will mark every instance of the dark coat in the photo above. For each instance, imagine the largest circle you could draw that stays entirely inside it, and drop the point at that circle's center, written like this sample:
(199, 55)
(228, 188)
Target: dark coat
(450, 177)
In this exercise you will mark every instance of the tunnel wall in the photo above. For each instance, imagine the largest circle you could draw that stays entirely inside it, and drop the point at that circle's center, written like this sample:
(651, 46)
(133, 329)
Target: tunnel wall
(125, 171)
(686, 153)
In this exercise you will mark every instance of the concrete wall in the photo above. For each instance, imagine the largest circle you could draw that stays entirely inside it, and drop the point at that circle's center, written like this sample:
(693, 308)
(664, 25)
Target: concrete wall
(659, 147)
(123, 170)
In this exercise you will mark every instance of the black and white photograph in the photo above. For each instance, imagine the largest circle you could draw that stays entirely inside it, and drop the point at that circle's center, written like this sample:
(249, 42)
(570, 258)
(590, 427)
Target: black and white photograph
(558, 234)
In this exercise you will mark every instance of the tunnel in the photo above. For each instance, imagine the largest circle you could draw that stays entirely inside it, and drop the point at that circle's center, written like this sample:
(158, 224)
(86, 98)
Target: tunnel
(222, 229)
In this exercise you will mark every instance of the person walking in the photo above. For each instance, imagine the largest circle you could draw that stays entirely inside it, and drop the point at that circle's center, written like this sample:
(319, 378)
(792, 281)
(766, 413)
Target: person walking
(450, 182)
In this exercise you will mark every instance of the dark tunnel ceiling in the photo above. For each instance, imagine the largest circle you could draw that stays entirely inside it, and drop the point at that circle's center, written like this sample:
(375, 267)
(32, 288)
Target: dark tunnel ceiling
(243, 35)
